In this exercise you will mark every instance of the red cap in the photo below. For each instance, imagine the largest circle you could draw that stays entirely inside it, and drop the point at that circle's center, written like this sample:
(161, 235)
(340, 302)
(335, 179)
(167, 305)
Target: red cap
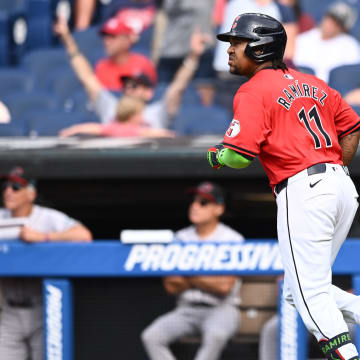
(115, 26)
(18, 175)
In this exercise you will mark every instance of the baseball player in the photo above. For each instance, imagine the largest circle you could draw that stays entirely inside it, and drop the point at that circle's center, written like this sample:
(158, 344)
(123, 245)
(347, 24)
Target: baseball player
(303, 133)
(21, 321)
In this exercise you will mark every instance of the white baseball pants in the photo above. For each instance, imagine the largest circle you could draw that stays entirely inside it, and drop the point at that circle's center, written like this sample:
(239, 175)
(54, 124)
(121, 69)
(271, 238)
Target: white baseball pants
(315, 213)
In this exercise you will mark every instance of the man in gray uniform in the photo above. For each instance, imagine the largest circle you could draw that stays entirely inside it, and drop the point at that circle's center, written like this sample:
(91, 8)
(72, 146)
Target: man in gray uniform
(21, 323)
(207, 305)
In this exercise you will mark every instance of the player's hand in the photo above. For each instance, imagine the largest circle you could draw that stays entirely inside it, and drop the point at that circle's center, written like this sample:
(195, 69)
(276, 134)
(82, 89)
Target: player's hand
(212, 156)
(32, 236)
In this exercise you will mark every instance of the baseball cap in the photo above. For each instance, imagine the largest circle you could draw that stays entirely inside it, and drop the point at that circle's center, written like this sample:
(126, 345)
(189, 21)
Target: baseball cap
(140, 79)
(116, 26)
(343, 13)
(18, 175)
(210, 191)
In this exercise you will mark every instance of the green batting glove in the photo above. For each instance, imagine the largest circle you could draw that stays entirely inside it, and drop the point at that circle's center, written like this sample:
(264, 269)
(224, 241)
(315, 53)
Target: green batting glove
(212, 156)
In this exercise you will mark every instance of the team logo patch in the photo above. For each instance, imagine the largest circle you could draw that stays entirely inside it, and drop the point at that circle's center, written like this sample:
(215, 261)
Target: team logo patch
(233, 129)
(288, 76)
(234, 25)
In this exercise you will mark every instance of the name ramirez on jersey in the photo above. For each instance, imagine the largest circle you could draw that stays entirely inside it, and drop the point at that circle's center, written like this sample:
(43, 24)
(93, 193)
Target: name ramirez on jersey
(303, 90)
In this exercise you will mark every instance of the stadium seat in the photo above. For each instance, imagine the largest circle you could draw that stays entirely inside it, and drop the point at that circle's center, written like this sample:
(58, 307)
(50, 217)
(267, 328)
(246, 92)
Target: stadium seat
(20, 104)
(12, 129)
(306, 70)
(43, 62)
(13, 80)
(11, 5)
(345, 78)
(49, 123)
(191, 96)
(143, 46)
(63, 83)
(41, 14)
(90, 43)
(200, 120)
(13, 36)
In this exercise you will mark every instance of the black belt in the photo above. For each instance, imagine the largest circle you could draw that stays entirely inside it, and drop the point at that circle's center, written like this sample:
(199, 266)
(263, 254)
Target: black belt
(203, 304)
(20, 304)
(312, 170)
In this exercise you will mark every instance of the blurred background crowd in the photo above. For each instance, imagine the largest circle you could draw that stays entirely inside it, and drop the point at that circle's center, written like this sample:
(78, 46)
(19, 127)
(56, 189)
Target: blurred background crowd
(151, 67)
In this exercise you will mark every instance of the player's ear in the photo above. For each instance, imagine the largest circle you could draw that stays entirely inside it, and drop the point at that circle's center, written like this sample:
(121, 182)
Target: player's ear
(220, 209)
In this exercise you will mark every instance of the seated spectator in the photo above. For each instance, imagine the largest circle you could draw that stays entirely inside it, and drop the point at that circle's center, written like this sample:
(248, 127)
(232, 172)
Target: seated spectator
(118, 38)
(21, 321)
(207, 305)
(157, 114)
(183, 18)
(329, 45)
(4, 114)
(128, 122)
(284, 14)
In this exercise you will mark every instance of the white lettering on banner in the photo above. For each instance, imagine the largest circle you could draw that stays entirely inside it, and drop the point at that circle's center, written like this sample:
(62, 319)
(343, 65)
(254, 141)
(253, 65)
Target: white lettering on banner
(54, 345)
(170, 257)
(192, 257)
(288, 336)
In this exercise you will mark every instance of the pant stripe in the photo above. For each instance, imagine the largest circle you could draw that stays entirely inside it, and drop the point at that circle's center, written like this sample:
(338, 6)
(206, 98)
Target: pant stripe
(293, 257)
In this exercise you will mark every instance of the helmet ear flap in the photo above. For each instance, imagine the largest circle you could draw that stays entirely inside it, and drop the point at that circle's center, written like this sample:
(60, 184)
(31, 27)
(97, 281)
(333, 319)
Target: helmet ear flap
(262, 50)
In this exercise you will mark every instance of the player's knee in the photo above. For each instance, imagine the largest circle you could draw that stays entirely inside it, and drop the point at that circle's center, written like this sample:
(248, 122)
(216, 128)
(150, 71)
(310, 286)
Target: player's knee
(216, 336)
(151, 335)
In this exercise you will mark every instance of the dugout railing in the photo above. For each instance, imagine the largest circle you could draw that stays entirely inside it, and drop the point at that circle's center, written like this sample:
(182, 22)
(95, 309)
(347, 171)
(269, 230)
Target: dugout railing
(57, 263)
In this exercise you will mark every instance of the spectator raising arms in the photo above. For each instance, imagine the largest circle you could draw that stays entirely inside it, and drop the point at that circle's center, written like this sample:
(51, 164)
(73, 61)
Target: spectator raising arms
(157, 114)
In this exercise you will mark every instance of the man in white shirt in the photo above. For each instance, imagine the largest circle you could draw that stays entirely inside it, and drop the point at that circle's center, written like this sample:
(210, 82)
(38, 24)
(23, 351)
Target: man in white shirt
(329, 45)
(207, 305)
(21, 322)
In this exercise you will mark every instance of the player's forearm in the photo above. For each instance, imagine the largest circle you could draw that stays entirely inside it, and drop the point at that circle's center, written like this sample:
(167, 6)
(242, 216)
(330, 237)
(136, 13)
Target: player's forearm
(220, 285)
(349, 145)
(230, 158)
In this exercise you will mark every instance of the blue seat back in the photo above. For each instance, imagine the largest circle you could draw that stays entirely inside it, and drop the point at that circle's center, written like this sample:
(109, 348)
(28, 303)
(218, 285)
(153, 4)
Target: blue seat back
(201, 120)
(345, 78)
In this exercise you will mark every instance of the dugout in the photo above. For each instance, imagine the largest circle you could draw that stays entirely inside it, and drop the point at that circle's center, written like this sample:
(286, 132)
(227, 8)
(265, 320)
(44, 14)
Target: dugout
(115, 184)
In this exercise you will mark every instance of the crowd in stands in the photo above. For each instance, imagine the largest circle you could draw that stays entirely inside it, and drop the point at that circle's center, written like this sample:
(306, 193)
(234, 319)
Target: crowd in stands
(164, 53)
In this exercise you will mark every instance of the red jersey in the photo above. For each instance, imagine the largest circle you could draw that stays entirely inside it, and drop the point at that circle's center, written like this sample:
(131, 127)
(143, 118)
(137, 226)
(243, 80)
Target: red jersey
(291, 121)
(109, 72)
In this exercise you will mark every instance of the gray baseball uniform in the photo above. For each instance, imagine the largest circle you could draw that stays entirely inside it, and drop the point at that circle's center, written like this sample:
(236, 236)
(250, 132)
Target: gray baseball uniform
(216, 318)
(21, 320)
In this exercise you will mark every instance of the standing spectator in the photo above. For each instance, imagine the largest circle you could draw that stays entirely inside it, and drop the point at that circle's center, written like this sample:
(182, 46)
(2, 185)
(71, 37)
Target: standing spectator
(206, 304)
(157, 114)
(329, 45)
(21, 322)
(183, 18)
(118, 37)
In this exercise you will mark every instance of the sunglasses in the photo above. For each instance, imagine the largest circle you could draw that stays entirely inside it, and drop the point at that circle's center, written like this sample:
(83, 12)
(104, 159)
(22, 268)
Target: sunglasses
(14, 186)
(202, 201)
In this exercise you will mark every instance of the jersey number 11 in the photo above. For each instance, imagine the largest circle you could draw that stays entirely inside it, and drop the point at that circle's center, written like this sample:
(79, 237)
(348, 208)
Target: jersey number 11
(314, 115)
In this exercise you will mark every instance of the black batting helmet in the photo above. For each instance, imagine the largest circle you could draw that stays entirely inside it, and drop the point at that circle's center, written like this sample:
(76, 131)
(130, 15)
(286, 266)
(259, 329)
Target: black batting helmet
(264, 32)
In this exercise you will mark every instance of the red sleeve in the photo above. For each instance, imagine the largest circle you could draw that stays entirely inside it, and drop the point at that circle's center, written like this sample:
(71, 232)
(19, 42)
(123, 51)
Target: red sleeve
(346, 119)
(249, 127)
